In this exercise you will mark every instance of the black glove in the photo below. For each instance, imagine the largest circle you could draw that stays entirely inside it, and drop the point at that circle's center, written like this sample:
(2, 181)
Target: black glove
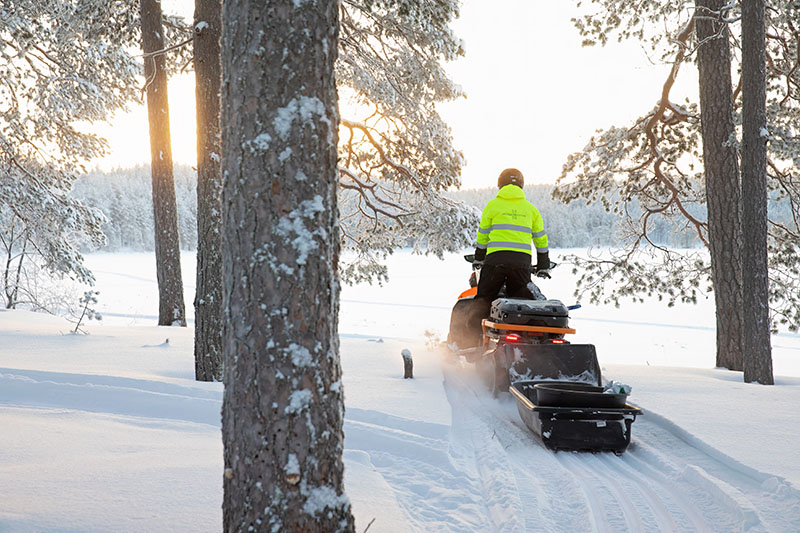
(542, 265)
(480, 255)
(542, 261)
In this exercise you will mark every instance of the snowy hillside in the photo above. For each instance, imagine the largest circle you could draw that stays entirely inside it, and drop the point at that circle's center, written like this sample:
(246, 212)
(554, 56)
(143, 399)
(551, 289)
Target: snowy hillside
(109, 432)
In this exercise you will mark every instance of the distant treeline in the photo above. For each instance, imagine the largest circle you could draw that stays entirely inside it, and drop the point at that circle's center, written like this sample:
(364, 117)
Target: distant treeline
(125, 197)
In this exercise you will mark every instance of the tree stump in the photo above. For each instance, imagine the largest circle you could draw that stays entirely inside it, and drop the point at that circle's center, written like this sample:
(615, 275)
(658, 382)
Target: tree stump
(408, 364)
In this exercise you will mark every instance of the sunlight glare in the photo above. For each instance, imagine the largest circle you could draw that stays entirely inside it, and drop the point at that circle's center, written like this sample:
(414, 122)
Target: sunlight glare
(129, 138)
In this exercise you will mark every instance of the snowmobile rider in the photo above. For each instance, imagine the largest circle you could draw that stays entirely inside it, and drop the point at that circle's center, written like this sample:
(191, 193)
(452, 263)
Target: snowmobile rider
(508, 225)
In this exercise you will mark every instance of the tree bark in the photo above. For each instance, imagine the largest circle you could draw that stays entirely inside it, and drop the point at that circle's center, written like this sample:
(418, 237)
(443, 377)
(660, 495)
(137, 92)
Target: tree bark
(171, 306)
(208, 295)
(757, 345)
(723, 194)
(283, 407)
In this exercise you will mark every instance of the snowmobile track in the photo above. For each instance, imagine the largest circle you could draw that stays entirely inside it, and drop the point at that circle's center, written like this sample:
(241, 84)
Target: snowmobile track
(662, 483)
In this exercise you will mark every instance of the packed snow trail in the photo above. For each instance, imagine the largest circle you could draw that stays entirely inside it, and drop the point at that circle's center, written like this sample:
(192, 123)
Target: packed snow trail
(662, 482)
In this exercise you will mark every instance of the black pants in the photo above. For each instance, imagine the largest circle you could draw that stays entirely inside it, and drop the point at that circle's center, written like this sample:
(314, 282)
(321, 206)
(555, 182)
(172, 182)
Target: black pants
(515, 278)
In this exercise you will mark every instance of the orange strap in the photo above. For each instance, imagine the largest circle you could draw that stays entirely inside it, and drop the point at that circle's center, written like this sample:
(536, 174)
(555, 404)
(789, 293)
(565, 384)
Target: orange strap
(542, 329)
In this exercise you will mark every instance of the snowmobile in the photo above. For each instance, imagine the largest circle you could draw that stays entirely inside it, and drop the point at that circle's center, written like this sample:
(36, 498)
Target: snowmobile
(520, 346)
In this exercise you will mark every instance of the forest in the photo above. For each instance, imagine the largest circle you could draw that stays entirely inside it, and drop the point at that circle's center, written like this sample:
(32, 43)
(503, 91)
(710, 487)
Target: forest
(124, 196)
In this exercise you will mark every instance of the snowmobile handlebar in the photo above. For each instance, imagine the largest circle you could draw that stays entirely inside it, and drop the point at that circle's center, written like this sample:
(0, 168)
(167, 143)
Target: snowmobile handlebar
(476, 265)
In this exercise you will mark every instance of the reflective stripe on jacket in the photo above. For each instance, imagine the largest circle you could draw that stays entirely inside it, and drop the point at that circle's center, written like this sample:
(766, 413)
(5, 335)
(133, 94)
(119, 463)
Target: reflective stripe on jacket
(510, 222)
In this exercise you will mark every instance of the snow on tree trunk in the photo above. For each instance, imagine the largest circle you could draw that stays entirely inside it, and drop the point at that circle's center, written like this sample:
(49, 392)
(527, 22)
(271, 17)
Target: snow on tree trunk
(723, 194)
(208, 295)
(171, 307)
(283, 407)
(758, 353)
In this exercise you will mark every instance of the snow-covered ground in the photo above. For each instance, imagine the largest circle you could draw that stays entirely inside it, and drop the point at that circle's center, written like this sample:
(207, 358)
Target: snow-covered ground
(109, 431)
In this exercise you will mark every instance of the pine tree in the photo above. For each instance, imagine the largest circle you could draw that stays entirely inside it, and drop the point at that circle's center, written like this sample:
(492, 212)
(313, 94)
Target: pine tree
(757, 345)
(171, 306)
(396, 154)
(723, 191)
(208, 295)
(617, 167)
(62, 64)
(283, 406)
(395, 162)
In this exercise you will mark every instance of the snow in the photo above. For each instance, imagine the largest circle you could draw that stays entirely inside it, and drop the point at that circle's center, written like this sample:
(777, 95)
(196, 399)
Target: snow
(260, 143)
(109, 431)
(300, 355)
(299, 401)
(320, 498)
(303, 108)
(616, 387)
(293, 466)
(294, 224)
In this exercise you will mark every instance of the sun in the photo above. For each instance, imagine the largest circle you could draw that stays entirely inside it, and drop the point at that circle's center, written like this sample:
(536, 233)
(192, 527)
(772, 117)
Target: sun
(129, 138)
(128, 133)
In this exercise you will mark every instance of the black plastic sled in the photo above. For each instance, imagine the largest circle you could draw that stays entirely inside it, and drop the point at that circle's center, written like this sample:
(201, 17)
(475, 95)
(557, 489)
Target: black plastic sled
(575, 416)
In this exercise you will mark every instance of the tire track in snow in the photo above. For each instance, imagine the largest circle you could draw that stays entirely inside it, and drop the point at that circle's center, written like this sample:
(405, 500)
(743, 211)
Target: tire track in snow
(478, 441)
(662, 483)
(606, 499)
(655, 475)
(543, 495)
(732, 496)
(544, 499)
(543, 486)
(671, 511)
(435, 489)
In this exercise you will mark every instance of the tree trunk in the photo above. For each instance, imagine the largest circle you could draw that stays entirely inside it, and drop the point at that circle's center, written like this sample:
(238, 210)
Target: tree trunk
(208, 295)
(723, 194)
(283, 406)
(171, 307)
(758, 354)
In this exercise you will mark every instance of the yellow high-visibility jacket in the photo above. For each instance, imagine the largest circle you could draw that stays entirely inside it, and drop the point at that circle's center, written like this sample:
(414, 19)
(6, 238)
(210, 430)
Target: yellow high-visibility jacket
(510, 222)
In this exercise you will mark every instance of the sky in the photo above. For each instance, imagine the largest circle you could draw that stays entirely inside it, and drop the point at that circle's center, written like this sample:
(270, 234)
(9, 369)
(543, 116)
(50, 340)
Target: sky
(533, 94)
(110, 432)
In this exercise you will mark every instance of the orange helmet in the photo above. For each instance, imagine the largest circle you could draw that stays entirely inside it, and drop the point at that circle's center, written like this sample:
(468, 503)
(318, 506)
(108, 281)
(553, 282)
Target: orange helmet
(510, 176)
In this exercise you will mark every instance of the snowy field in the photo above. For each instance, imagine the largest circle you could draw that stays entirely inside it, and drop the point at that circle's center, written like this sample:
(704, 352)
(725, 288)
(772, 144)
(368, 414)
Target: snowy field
(109, 431)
